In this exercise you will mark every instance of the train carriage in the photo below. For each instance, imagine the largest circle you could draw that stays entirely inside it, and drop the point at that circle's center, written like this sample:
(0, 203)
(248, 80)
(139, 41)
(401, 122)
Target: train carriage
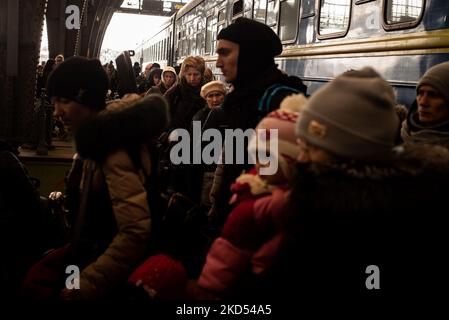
(321, 38)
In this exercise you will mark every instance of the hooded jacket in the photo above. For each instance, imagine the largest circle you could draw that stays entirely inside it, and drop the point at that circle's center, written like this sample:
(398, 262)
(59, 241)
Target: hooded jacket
(240, 111)
(162, 87)
(112, 232)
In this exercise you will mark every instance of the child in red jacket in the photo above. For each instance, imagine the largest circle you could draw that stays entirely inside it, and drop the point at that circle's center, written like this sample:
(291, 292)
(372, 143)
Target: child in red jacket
(253, 232)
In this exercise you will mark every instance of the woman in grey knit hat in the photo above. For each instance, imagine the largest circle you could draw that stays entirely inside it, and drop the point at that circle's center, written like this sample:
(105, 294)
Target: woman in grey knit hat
(352, 117)
(364, 215)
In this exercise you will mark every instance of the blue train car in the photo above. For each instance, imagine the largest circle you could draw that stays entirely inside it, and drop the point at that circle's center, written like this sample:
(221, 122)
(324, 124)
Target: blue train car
(323, 38)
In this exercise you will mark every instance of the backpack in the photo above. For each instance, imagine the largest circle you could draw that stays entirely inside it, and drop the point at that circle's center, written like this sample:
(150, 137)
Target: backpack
(271, 96)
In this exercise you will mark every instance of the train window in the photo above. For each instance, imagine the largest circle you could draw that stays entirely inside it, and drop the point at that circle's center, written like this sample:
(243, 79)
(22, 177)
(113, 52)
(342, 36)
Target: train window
(199, 43)
(272, 11)
(192, 44)
(219, 27)
(185, 46)
(248, 4)
(166, 47)
(221, 20)
(403, 13)
(288, 21)
(211, 26)
(179, 50)
(334, 17)
(160, 51)
(237, 8)
(221, 16)
(260, 10)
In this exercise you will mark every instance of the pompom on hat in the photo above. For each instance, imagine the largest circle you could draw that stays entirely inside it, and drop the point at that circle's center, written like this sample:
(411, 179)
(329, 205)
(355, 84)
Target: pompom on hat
(283, 120)
(161, 276)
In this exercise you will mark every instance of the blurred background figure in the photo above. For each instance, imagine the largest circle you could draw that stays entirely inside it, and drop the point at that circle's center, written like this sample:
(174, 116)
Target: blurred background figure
(208, 75)
(136, 69)
(168, 79)
(58, 60)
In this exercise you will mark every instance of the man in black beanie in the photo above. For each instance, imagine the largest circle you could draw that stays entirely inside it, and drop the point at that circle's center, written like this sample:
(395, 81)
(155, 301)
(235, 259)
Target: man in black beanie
(246, 51)
(107, 185)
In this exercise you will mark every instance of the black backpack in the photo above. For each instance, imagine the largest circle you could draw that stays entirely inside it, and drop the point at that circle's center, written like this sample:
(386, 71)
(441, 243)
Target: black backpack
(272, 98)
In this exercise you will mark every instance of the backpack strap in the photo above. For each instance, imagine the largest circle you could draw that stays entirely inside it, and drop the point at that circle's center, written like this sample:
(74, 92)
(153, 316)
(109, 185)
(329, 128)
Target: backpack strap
(265, 101)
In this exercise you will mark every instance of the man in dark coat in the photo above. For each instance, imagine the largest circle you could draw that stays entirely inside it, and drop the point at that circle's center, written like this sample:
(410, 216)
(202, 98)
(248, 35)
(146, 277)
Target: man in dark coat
(428, 118)
(246, 51)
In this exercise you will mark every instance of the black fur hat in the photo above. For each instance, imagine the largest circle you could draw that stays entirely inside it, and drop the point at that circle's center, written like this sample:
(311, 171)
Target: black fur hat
(80, 79)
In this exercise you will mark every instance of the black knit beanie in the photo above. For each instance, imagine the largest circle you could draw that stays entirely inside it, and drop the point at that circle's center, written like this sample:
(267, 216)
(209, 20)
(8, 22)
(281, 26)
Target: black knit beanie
(80, 79)
(258, 43)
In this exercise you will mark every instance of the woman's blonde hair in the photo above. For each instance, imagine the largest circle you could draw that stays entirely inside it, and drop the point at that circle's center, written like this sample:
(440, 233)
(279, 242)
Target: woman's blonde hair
(193, 62)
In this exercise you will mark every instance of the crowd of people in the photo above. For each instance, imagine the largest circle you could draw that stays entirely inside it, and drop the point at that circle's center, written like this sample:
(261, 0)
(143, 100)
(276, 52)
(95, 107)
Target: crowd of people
(360, 181)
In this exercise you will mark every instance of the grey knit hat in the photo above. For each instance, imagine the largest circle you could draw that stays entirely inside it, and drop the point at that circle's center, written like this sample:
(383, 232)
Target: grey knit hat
(352, 117)
(437, 77)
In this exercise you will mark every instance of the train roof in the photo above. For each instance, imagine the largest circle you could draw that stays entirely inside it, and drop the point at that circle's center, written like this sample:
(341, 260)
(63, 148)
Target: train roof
(187, 7)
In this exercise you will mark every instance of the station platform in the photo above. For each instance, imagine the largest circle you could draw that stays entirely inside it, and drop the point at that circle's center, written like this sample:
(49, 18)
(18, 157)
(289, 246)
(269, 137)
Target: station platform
(50, 169)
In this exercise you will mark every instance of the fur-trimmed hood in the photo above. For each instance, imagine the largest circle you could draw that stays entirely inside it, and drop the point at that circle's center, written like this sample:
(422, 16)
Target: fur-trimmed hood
(350, 216)
(416, 172)
(124, 125)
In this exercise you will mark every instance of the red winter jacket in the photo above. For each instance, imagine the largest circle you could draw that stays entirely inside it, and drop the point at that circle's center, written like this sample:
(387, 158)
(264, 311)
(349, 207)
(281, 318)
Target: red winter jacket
(251, 236)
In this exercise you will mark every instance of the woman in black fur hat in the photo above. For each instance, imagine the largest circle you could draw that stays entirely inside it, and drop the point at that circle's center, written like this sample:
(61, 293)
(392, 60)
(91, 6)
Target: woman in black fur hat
(107, 185)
